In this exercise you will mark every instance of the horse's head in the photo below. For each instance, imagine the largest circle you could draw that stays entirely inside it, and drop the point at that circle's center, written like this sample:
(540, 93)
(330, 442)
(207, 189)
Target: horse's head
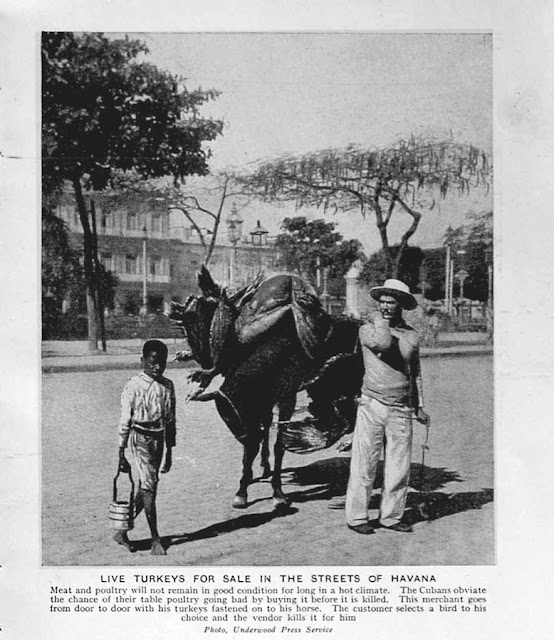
(195, 318)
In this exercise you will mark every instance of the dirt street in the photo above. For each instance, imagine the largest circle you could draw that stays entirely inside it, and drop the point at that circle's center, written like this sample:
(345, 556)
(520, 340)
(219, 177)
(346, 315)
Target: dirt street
(79, 459)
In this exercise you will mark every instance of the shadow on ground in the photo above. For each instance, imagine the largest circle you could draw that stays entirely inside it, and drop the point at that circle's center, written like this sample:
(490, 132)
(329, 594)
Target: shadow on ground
(332, 476)
(327, 480)
(246, 521)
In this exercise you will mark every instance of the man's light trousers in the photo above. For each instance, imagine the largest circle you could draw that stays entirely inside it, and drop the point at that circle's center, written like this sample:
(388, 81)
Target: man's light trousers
(376, 425)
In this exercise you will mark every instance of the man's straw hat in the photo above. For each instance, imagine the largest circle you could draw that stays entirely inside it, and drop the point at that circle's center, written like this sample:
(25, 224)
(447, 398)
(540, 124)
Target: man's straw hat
(398, 290)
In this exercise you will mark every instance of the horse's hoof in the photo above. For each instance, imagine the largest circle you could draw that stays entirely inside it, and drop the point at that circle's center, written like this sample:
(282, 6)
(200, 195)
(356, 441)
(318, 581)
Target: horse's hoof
(239, 502)
(281, 502)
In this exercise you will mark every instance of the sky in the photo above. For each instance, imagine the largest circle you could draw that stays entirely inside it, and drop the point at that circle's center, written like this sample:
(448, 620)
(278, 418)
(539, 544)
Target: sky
(299, 92)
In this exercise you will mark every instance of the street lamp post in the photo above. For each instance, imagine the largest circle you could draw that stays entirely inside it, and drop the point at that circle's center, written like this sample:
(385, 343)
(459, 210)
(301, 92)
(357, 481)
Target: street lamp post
(448, 281)
(318, 274)
(461, 277)
(259, 235)
(489, 262)
(450, 286)
(234, 223)
(144, 274)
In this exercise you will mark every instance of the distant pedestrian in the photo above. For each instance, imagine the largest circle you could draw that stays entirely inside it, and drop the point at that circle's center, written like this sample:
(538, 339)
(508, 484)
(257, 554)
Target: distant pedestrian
(433, 326)
(147, 423)
(391, 393)
(489, 319)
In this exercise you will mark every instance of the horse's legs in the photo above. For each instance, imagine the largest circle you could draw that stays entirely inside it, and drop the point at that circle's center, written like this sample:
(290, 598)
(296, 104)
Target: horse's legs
(265, 450)
(286, 409)
(251, 446)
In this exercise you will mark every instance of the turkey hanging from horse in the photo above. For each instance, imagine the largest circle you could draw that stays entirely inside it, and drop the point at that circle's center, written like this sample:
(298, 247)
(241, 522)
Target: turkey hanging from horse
(269, 340)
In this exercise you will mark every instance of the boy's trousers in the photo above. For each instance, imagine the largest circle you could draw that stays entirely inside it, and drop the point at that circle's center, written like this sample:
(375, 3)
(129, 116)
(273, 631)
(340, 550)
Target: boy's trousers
(378, 424)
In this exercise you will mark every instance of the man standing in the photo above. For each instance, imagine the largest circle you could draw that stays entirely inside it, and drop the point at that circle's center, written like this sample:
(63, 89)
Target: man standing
(391, 393)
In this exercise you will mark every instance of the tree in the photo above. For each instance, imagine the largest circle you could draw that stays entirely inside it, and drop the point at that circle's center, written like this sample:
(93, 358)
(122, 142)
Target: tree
(103, 109)
(470, 249)
(61, 272)
(472, 246)
(307, 247)
(406, 177)
(62, 275)
(434, 264)
(202, 201)
(374, 271)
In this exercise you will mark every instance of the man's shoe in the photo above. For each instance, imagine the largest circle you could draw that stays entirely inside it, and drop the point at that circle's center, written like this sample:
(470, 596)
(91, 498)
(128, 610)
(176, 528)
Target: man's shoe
(338, 502)
(364, 528)
(401, 527)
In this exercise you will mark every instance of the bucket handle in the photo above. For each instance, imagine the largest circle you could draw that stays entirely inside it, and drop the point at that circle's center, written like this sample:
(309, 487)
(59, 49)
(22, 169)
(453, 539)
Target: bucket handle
(130, 480)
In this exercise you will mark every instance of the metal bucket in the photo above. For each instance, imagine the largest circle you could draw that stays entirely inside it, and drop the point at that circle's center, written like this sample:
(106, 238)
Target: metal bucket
(121, 511)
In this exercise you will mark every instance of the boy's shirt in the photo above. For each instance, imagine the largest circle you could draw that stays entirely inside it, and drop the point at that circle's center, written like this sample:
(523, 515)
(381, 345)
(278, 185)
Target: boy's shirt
(151, 405)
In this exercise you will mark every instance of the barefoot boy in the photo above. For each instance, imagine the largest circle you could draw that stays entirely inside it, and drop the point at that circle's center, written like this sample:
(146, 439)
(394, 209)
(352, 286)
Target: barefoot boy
(147, 420)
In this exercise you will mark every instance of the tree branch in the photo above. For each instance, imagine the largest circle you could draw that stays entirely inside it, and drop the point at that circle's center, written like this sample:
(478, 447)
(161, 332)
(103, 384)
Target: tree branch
(193, 223)
(217, 221)
(409, 233)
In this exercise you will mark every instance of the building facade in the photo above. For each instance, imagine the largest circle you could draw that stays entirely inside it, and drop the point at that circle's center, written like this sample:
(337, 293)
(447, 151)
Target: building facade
(155, 263)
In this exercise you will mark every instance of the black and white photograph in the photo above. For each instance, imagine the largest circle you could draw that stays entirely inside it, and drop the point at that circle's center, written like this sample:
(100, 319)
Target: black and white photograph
(267, 299)
(277, 357)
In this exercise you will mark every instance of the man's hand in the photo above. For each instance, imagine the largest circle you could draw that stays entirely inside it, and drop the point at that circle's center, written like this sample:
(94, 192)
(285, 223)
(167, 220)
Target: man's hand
(377, 319)
(423, 417)
(345, 444)
(167, 461)
(124, 465)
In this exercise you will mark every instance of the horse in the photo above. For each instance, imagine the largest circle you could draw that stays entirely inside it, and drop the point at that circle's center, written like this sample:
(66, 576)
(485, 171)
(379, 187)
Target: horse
(270, 340)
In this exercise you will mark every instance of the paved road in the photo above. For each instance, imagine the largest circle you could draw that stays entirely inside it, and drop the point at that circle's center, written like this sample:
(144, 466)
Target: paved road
(79, 456)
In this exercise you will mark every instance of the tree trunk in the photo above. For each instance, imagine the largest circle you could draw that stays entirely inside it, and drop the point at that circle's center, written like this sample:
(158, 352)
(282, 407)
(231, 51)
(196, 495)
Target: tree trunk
(90, 272)
(216, 225)
(98, 278)
(91, 323)
(416, 217)
(382, 227)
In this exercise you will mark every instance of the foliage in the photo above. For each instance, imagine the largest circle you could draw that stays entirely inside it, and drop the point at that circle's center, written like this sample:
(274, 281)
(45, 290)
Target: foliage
(62, 276)
(470, 249)
(374, 271)
(105, 109)
(61, 271)
(304, 246)
(202, 200)
(433, 268)
(472, 245)
(407, 177)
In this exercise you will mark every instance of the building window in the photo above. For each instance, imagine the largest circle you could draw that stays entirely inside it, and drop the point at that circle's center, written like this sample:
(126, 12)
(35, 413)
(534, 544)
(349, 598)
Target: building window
(131, 220)
(107, 220)
(131, 305)
(155, 266)
(155, 304)
(130, 264)
(107, 261)
(156, 222)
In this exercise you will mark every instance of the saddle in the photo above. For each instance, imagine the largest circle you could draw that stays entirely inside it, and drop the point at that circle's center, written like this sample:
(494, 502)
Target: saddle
(253, 311)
